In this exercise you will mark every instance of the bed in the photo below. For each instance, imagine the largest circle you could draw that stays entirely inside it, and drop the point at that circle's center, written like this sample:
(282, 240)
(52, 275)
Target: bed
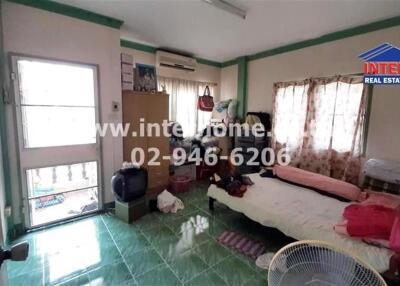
(299, 213)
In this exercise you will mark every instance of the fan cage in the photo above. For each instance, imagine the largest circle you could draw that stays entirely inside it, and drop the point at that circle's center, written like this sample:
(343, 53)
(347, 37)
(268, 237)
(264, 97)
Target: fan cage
(316, 263)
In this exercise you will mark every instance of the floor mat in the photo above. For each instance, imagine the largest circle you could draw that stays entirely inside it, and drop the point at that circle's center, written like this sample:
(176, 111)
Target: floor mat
(241, 243)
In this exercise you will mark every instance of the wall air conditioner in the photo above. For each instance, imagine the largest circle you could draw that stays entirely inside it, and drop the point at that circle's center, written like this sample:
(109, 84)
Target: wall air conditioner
(170, 60)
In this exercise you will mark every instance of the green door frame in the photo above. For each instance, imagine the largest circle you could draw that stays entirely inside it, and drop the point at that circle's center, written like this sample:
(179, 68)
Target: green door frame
(242, 87)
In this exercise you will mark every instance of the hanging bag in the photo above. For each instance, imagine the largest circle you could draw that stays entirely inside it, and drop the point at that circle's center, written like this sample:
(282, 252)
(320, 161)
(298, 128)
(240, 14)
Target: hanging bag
(206, 102)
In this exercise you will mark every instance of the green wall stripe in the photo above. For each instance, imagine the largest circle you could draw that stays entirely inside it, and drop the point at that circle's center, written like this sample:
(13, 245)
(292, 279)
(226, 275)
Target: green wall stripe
(229, 63)
(151, 49)
(209, 62)
(368, 117)
(3, 138)
(72, 11)
(359, 30)
(242, 87)
(138, 46)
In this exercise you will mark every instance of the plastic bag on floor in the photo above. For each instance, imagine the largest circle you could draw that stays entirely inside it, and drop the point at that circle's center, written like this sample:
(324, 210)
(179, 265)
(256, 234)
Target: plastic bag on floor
(168, 203)
(264, 260)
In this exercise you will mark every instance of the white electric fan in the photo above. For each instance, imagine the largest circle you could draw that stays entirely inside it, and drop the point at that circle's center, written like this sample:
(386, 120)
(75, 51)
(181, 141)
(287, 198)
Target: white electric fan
(315, 263)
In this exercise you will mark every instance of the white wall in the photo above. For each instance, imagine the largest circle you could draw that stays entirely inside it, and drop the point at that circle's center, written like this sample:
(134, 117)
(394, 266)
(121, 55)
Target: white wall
(229, 81)
(338, 57)
(40, 33)
(203, 73)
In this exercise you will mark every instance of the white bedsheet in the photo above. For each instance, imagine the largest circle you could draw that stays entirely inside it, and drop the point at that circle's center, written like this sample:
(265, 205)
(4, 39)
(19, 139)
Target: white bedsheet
(301, 214)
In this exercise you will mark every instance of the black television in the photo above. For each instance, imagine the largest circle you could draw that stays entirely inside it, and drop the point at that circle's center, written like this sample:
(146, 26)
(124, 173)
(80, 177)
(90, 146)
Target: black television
(129, 184)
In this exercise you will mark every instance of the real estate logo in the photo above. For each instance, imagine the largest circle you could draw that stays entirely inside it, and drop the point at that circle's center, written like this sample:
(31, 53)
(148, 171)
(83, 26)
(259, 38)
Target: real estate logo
(382, 65)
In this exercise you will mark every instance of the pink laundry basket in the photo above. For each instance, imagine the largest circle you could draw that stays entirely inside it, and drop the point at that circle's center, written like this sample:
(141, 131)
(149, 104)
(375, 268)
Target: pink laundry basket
(179, 184)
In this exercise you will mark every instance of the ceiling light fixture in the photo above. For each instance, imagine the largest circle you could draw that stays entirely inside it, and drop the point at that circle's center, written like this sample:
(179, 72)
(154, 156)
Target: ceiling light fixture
(228, 7)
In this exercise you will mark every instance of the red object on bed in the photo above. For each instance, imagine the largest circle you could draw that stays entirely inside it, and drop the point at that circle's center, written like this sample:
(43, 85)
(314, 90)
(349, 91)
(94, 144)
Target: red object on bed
(373, 222)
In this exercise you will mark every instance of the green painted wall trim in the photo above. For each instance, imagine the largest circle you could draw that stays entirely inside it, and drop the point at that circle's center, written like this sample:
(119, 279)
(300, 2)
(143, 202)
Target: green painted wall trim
(242, 87)
(229, 63)
(138, 46)
(152, 50)
(72, 11)
(3, 137)
(367, 117)
(359, 30)
(209, 62)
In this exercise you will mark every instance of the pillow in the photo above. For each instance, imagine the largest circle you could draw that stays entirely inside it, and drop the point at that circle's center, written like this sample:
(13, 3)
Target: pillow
(320, 182)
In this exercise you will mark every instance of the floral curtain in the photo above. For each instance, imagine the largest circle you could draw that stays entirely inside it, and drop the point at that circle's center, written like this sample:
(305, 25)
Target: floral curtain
(320, 122)
(183, 97)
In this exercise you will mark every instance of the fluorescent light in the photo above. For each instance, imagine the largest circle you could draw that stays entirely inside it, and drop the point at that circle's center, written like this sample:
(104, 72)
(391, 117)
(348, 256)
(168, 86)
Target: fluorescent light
(228, 7)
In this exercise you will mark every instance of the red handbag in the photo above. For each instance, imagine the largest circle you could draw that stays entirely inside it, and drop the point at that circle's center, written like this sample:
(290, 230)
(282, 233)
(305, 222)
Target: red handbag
(206, 102)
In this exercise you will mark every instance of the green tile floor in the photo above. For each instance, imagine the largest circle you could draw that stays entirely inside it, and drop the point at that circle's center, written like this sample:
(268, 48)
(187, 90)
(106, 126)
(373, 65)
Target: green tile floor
(158, 249)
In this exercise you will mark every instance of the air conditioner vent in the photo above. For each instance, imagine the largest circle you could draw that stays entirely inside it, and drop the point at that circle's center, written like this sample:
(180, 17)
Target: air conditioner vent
(166, 59)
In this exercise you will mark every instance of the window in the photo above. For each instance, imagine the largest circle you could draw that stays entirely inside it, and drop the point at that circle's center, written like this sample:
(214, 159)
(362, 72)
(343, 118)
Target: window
(336, 115)
(320, 122)
(183, 97)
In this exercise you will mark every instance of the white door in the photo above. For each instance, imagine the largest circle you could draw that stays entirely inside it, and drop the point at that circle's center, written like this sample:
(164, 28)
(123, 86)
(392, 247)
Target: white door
(59, 150)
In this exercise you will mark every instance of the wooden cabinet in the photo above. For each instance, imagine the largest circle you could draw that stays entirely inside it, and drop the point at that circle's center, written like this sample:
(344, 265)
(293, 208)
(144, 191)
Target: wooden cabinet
(138, 110)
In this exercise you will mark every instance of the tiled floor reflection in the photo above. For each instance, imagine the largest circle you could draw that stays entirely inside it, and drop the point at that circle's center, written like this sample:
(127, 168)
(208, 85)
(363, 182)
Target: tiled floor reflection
(159, 249)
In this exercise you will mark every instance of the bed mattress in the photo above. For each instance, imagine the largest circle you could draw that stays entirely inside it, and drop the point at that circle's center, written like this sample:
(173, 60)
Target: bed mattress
(301, 214)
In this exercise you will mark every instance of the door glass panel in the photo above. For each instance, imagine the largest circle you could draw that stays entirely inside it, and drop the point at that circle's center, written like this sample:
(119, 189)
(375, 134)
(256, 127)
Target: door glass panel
(60, 192)
(44, 83)
(50, 180)
(57, 104)
(46, 126)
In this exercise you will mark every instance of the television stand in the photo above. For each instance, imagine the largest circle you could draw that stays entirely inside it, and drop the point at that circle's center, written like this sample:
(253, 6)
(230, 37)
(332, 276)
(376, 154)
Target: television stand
(131, 211)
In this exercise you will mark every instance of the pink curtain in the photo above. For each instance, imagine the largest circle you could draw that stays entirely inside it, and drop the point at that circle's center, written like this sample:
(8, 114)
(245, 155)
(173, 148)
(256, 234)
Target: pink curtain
(320, 122)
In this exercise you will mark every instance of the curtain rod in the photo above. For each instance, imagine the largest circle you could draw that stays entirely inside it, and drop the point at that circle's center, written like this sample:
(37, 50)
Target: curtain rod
(319, 77)
(189, 80)
(336, 75)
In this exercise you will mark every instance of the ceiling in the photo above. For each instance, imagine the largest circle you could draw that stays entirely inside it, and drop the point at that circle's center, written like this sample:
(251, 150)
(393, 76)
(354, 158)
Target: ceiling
(198, 28)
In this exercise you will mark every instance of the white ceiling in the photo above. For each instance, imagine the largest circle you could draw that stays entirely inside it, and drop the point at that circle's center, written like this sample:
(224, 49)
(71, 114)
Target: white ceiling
(198, 28)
